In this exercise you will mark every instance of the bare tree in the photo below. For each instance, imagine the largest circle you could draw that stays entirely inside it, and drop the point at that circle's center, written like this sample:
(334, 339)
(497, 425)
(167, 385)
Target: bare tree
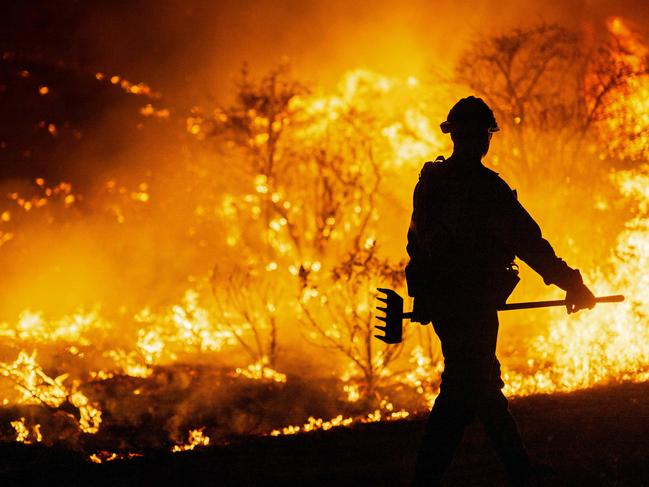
(338, 313)
(249, 133)
(305, 198)
(247, 304)
(531, 78)
(548, 87)
(303, 195)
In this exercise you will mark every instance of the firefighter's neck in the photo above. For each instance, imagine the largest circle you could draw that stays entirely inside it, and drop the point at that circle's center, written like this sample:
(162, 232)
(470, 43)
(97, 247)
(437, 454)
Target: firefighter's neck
(467, 156)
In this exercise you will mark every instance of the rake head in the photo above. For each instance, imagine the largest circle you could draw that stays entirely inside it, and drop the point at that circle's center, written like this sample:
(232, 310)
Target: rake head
(393, 318)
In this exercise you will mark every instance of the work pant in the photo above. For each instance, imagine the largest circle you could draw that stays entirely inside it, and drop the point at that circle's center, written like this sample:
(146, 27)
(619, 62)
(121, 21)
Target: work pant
(471, 387)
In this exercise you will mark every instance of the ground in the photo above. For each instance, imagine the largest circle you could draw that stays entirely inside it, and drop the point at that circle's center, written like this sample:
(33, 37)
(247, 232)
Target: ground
(597, 437)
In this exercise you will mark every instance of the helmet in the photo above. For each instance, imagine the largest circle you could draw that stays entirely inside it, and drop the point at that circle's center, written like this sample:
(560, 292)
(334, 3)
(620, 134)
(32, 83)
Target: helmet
(470, 112)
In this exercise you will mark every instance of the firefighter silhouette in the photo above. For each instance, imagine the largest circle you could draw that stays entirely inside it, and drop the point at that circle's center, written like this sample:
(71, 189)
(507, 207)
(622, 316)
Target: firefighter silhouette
(467, 227)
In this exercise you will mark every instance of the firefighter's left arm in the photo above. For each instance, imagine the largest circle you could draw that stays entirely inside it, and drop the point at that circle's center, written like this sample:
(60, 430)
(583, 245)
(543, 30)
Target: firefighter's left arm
(528, 244)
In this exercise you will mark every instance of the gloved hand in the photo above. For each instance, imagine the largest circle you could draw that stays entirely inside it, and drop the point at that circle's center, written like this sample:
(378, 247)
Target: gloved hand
(422, 310)
(579, 297)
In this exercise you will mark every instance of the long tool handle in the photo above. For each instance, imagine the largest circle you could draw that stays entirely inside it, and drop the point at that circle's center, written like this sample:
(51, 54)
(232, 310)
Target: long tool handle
(616, 298)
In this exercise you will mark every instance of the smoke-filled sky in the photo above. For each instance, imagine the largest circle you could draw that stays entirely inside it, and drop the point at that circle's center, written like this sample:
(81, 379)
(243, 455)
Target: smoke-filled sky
(193, 48)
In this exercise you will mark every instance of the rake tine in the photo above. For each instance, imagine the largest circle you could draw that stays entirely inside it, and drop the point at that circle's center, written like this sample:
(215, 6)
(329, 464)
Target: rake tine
(393, 318)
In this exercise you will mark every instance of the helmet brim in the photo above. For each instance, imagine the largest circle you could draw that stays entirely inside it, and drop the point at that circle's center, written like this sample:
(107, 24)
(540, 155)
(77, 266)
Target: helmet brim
(447, 127)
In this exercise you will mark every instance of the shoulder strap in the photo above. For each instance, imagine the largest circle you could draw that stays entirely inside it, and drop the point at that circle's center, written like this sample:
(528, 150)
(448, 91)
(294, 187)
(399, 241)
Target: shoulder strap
(431, 164)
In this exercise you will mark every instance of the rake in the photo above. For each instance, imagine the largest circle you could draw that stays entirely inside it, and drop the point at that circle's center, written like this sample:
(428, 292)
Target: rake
(394, 314)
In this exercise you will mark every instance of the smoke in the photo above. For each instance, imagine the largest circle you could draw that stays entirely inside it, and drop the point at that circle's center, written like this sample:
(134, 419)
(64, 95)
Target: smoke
(188, 49)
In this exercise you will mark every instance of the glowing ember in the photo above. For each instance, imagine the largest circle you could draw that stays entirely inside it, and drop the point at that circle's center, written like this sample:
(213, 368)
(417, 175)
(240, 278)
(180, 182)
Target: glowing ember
(24, 435)
(104, 456)
(260, 370)
(141, 89)
(314, 424)
(195, 438)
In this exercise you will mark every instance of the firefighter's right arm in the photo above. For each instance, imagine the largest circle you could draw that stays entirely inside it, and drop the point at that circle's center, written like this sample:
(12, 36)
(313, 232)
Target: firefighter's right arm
(419, 267)
(418, 280)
